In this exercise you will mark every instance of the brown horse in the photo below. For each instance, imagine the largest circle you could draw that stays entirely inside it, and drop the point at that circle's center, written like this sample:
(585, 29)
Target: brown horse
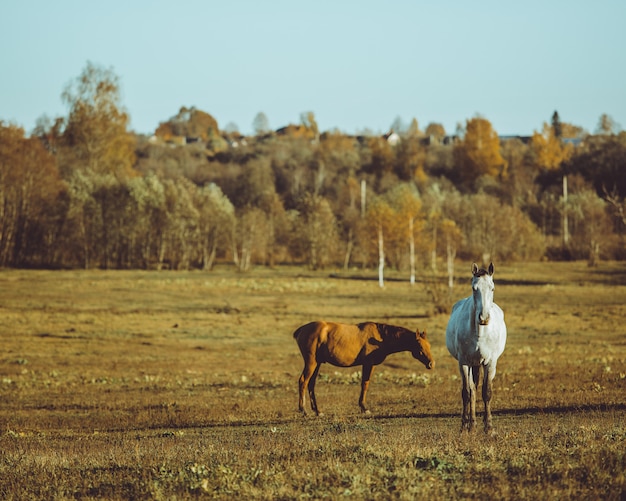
(345, 345)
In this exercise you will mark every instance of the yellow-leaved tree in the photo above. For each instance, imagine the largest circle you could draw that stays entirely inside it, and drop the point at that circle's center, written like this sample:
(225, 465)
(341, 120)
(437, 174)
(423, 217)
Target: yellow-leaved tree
(96, 157)
(408, 207)
(478, 154)
(29, 186)
(548, 148)
(96, 136)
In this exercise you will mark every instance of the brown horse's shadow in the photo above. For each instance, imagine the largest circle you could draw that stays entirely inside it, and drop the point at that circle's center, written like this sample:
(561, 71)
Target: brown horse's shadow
(526, 411)
(299, 418)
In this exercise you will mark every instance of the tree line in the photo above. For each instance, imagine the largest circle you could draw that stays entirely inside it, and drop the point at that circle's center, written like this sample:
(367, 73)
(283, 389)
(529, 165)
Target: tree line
(85, 191)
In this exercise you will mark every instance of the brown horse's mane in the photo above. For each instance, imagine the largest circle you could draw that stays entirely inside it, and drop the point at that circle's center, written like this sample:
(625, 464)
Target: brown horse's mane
(390, 332)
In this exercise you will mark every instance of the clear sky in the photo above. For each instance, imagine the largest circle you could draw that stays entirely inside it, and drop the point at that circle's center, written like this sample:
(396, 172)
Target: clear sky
(357, 65)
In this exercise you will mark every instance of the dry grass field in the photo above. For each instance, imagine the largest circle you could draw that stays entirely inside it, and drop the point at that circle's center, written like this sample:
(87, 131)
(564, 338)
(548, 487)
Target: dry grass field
(183, 385)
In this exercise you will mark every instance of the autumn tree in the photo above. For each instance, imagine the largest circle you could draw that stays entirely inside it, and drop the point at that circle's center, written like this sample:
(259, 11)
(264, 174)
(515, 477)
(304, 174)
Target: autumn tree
(606, 125)
(189, 123)
(83, 225)
(520, 186)
(310, 123)
(96, 136)
(435, 130)
(414, 129)
(334, 160)
(381, 156)
(29, 187)
(318, 231)
(550, 153)
(254, 184)
(408, 207)
(493, 230)
(49, 132)
(113, 200)
(216, 218)
(255, 187)
(249, 237)
(290, 159)
(96, 155)
(410, 159)
(261, 124)
(478, 154)
(441, 201)
(591, 226)
(451, 237)
(181, 224)
(348, 212)
(548, 149)
(398, 126)
(147, 204)
(602, 162)
(557, 128)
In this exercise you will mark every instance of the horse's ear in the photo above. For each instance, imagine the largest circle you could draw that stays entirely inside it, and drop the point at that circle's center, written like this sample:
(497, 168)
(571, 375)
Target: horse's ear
(419, 334)
(474, 268)
(490, 269)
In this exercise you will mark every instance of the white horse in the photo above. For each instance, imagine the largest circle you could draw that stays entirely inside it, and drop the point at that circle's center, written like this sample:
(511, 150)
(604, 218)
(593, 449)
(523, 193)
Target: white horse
(475, 336)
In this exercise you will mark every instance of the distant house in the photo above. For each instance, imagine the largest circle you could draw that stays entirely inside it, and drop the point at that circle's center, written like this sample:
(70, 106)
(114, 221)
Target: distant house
(451, 139)
(235, 140)
(574, 141)
(392, 137)
(296, 131)
(523, 139)
(433, 140)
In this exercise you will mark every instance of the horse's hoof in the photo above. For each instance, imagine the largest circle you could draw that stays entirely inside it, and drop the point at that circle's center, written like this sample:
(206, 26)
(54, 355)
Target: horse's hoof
(467, 428)
(320, 414)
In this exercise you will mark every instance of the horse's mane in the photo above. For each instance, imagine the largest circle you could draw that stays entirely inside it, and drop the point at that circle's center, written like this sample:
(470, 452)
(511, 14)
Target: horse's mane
(391, 331)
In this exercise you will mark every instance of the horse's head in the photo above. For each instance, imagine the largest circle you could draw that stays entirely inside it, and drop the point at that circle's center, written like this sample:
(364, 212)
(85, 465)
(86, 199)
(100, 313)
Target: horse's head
(421, 350)
(482, 287)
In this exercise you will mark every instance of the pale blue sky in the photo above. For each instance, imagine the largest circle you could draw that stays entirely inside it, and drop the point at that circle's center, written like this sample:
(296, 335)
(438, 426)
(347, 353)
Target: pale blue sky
(356, 64)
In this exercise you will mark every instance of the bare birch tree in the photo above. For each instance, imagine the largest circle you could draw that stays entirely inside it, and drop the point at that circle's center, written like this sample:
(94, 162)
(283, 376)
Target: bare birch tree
(379, 216)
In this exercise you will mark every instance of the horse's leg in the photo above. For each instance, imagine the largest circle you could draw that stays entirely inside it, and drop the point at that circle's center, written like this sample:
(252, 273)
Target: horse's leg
(490, 372)
(466, 395)
(474, 388)
(310, 366)
(365, 382)
(301, 385)
(312, 390)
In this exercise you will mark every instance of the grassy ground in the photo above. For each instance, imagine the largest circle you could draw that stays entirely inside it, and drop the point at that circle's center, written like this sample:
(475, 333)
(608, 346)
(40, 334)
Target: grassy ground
(161, 385)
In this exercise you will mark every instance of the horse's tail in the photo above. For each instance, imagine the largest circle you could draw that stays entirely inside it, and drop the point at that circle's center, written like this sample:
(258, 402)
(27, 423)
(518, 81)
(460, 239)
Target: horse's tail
(296, 333)
(302, 328)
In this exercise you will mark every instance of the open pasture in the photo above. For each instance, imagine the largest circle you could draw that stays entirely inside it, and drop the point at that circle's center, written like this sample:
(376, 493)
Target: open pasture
(161, 385)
